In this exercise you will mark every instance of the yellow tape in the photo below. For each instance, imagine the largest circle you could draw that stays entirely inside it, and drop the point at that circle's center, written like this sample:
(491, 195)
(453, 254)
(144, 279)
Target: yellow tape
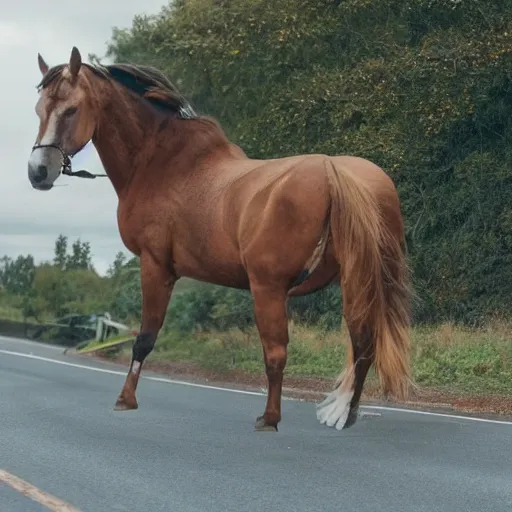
(112, 342)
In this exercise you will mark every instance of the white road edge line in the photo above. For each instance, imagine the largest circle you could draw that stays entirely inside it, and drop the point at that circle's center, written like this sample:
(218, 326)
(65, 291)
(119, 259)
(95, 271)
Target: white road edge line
(34, 493)
(40, 344)
(245, 392)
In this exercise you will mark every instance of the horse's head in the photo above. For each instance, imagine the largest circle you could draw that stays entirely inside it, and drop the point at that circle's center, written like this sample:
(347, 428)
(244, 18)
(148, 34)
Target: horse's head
(67, 119)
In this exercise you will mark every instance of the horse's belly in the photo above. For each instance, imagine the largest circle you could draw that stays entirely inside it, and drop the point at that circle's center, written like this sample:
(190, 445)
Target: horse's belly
(221, 275)
(229, 279)
(212, 266)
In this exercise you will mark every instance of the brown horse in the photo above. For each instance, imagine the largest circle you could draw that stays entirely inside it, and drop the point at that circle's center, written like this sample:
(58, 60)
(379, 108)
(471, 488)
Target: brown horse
(192, 204)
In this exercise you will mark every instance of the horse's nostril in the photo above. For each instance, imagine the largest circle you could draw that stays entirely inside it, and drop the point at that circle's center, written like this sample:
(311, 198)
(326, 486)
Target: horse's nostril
(41, 174)
(42, 171)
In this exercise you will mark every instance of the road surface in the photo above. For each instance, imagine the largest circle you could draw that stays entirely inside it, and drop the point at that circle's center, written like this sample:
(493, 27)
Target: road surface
(192, 449)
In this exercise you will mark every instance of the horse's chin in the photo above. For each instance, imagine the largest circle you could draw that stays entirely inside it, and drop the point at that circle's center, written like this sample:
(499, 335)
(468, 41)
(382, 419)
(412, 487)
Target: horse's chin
(43, 187)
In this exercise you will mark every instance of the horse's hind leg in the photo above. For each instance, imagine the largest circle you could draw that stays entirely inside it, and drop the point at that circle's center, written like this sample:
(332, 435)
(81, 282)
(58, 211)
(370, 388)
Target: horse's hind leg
(341, 407)
(272, 323)
(359, 362)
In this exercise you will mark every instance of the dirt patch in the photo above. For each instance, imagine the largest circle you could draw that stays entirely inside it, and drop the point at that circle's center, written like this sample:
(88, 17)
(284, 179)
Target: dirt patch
(314, 389)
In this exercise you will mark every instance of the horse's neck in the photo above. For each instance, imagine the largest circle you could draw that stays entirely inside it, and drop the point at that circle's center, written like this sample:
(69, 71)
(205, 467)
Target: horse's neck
(129, 133)
(121, 139)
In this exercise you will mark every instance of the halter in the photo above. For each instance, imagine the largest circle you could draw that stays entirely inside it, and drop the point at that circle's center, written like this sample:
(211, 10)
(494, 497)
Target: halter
(66, 163)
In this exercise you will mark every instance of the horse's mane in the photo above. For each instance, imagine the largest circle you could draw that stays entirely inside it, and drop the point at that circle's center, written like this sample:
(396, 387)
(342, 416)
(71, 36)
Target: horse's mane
(145, 81)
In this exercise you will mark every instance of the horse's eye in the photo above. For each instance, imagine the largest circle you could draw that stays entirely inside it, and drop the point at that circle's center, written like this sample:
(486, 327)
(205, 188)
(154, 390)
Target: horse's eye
(70, 111)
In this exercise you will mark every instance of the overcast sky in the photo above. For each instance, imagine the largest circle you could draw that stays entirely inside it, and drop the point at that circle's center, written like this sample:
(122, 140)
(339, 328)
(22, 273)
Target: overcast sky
(31, 220)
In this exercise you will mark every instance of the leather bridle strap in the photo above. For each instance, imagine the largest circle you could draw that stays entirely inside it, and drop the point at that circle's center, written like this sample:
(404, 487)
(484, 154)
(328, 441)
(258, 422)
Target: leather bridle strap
(66, 163)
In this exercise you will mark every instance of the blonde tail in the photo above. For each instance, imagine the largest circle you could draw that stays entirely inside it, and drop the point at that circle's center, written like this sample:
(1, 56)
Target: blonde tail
(369, 245)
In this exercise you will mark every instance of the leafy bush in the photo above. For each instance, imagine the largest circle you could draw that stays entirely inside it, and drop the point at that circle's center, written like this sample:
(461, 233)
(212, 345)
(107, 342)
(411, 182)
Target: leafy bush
(420, 87)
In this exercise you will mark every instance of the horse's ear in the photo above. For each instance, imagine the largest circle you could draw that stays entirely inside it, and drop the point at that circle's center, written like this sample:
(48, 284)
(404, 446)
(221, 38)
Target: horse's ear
(75, 62)
(43, 67)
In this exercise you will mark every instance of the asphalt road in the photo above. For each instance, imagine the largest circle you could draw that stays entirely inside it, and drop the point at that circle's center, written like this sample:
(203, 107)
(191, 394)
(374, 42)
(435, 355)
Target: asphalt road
(190, 449)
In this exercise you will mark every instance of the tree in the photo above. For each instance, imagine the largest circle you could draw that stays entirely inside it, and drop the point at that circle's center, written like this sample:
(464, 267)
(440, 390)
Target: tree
(16, 276)
(52, 284)
(60, 251)
(117, 265)
(126, 301)
(80, 256)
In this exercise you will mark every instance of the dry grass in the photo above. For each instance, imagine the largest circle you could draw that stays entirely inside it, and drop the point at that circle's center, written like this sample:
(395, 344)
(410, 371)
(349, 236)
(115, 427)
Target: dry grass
(443, 357)
(10, 313)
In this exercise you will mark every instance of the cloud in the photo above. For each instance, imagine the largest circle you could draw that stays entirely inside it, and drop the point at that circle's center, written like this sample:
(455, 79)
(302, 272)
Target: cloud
(11, 34)
(30, 220)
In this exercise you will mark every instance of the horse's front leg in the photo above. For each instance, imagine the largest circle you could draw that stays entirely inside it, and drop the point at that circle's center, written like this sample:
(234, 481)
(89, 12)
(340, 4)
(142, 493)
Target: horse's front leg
(157, 282)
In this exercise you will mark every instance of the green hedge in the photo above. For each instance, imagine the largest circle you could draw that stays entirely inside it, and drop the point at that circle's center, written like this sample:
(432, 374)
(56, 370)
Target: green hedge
(421, 87)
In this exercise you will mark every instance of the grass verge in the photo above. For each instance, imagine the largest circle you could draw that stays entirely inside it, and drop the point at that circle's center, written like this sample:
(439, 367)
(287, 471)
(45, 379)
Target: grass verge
(445, 358)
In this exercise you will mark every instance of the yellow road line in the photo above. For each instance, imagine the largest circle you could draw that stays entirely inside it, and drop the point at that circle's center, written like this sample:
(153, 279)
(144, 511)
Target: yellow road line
(50, 502)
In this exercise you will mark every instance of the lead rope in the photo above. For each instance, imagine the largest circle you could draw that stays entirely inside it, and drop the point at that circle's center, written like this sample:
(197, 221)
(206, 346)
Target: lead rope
(66, 169)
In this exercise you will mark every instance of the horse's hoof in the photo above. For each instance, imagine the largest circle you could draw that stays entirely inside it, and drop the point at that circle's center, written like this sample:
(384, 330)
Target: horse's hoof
(262, 426)
(352, 417)
(123, 405)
